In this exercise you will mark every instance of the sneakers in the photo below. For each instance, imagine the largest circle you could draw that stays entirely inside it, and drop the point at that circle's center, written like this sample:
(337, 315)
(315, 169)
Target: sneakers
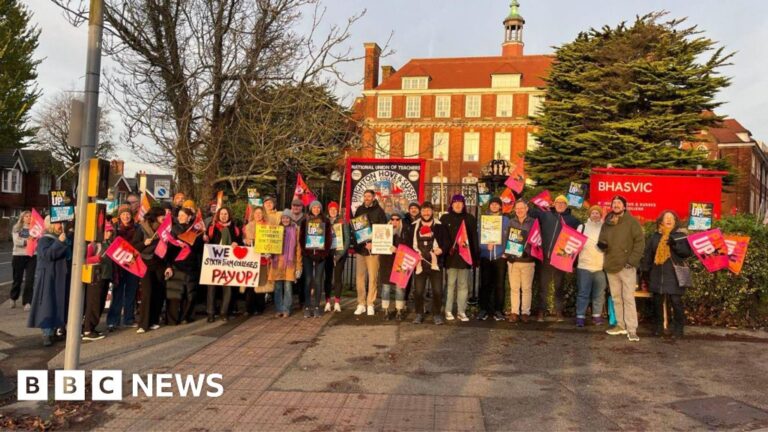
(111, 328)
(615, 331)
(399, 315)
(12, 304)
(449, 316)
(47, 341)
(386, 315)
(439, 320)
(482, 316)
(559, 317)
(371, 311)
(337, 307)
(598, 321)
(462, 317)
(154, 326)
(540, 316)
(307, 313)
(360, 309)
(526, 318)
(418, 319)
(580, 322)
(327, 306)
(27, 307)
(318, 313)
(633, 337)
(498, 316)
(140, 330)
(513, 318)
(92, 336)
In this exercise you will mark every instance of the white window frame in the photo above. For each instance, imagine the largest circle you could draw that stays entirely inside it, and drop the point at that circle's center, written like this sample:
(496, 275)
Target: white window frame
(505, 80)
(411, 145)
(413, 107)
(471, 148)
(384, 107)
(414, 83)
(504, 105)
(535, 104)
(440, 145)
(45, 184)
(383, 145)
(531, 143)
(442, 106)
(473, 106)
(502, 146)
(8, 185)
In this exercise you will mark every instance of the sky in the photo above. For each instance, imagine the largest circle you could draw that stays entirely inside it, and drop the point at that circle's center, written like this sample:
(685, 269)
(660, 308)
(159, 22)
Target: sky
(466, 28)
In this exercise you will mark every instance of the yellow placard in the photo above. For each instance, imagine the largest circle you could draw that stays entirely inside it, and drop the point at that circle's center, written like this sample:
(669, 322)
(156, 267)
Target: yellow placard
(268, 239)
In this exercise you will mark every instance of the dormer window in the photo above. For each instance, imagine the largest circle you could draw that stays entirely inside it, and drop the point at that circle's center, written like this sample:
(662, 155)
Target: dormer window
(744, 136)
(505, 80)
(415, 83)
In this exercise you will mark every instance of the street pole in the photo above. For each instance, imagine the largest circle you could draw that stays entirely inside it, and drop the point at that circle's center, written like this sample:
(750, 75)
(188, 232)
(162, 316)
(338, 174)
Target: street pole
(92, 75)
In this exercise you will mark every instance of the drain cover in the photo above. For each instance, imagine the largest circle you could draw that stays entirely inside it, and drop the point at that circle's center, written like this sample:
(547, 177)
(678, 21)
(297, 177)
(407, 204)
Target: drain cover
(720, 411)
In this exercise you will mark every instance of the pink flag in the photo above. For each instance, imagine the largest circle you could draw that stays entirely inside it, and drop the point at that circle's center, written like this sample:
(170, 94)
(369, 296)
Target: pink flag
(302, 192)
(124, 255)
(709, 247)
(462, 242)
(516, 180)
(568, 245)
(36, 230)
(405, 262)
(737, 251)
(534, 239)
(542, 200)
(164, 234)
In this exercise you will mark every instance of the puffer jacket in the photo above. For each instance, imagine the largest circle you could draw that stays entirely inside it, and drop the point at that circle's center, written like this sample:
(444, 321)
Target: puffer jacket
(662, 278)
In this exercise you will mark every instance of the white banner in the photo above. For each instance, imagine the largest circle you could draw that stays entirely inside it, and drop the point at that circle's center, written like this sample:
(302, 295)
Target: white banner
(230, 266)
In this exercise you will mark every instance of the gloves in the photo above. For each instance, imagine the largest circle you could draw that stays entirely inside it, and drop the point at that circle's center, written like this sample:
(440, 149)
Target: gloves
(602, 245)
(298, 274)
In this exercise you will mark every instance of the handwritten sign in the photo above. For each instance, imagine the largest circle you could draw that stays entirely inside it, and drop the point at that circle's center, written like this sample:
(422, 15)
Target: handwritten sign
(490, 229)
(269, 239)
(382, 239)
(230, 266)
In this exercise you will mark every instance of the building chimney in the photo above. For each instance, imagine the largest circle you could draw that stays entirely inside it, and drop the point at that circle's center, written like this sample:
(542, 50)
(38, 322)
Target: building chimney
(386, 72)
(372, 54)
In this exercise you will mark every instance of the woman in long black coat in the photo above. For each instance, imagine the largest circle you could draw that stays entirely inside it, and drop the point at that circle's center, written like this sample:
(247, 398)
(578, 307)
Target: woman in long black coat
(667, 246)
(49, 298)
(181, 288)
(145, 240)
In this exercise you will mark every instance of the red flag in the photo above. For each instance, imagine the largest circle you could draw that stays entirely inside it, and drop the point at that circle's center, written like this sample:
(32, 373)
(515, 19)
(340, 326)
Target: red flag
(567, 246)
(542, 200)
(219, 200)
(709, 247)
(36, 230)
(516, 180)
(302, 192)
(124, 255)
(534, 239)
(737, 251)
(507, 200)
(197, 228)
(462, 242)
(164, 234)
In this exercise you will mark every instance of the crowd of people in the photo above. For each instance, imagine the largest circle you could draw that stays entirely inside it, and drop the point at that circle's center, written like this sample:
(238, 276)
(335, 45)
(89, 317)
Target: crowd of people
(319, 242)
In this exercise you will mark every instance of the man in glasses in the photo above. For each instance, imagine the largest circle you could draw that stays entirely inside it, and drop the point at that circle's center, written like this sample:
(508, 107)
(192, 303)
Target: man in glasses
(134, 201)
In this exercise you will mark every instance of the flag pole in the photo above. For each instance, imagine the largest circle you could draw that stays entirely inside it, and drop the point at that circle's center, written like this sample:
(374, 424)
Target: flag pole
(343, 181)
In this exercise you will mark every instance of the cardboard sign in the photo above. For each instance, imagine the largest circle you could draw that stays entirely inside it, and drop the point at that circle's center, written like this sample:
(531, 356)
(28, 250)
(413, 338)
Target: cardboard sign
(709, 247)
(567, 246)
(405, 262)
(701, 215)
(230, 266)
(490, 229)
(737, 251)
(124, 255)
(268, 239)
(253, 197)
(338, 237)
(381, 244)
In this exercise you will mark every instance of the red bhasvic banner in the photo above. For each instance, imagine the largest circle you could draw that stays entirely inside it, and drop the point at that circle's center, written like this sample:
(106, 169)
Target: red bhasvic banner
(709, 247)
(737, 251)
(649, 192)
(569, 243)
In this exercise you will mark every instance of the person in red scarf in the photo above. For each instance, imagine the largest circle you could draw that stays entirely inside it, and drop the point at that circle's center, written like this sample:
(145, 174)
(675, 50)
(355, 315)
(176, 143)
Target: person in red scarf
(222, 231)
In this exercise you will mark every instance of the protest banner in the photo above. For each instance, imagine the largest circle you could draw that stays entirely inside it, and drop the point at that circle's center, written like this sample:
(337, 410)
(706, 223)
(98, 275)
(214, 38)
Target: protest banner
(381, 244)
(396, 183)
(338, 237)
(515, 243)
(567, 246)
(542, 200)
(124, 255)
(362, 229)
(36, 230)
(302, 192)
(253, 198)
(230, 266)
(737, 251)
(576, 193)
(61, 205)
(490, 229)
(315, 238)
(268, 239)
(405, 262)
(534, 239)
(507, 198)
(701, 215)
(709, 247)
(516, 179)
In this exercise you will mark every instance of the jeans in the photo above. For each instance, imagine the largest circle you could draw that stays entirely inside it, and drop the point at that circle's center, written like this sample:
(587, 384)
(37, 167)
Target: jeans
(492, 285)
(283, 296)
(315, 271)
(123, 299)
(210, 301)
(591, 286)
(386, 290)
(458, 286)
(435, 278)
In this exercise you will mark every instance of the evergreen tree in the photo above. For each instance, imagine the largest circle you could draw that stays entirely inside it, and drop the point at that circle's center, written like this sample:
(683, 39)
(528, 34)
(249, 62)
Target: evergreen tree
(628, 96)
(18, 41)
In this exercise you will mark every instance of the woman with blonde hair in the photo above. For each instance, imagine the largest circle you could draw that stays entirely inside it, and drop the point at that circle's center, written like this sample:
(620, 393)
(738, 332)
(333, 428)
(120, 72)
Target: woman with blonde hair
(255, 298)
(22, 264)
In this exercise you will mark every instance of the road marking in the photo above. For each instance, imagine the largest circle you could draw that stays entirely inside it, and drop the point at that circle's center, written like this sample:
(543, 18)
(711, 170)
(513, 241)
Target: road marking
(6, 283)
(6, 262)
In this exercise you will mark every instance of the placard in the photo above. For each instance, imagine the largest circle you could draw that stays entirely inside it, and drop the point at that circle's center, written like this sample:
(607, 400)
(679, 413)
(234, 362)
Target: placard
(404, 264)
(362, 229)
(338, 237)
(253, 197)
(381, 244)
(315, 235)
(230, 266)
(576, 193)
(62, 208)
(268, 239)
(701, 215)
(490, 229)
(515, 243)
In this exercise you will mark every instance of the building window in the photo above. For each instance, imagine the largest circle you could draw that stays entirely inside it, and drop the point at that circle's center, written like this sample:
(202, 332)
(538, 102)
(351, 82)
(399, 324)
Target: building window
(443, 106)
(413, 107)
(502, 146)
(535, 104)
(532, 143)
(472, 108)
(11, 181)
(414, 83)
(505, 80)
(471, 146)
(382, 146)
(45, 184)
(440, 146)
(385, 107)
(411, 145)
(504, 106)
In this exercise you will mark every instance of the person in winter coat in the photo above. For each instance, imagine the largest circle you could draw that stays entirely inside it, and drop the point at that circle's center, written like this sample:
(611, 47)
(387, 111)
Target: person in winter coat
(126, 284)
(222, 231)
(286, 267)
(315, 240)
(414, 213)
(623, 242)
(49, 296)
(385, 270)
(185, 262)
(590, 277)
(520, 264)
(457, 268)
(493, 268)
(366, 215)
(96, 292)
(667, 247)
(334, 264)
(430, 239)
(255, 302)
(22, 264)
(270, 214)
(551, 222)
(145, 240)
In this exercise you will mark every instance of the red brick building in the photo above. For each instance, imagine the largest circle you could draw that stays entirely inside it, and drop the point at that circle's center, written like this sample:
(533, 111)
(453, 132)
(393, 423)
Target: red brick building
(464, 111)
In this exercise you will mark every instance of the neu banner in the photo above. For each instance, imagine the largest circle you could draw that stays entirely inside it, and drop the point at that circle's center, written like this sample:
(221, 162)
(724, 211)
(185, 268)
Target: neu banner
(648, 192)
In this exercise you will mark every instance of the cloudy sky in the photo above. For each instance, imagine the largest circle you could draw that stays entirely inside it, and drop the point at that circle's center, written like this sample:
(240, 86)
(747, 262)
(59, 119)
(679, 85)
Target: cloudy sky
(459, 28)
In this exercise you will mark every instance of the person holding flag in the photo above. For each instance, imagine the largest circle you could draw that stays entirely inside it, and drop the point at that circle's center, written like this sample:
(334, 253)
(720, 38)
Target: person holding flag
(145, 240)
(96, 291)
(22, 262)
(521, 266)
(493, 268)
(184, 260)
(123, 305)
(462, 256)
(335, 262)
(429, 238)
(385, 269)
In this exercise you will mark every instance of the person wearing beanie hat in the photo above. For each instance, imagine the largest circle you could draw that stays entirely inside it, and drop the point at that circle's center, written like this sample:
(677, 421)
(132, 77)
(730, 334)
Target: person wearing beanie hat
(412, 215)
(456, 265)
(493, 265)
(561, 199)
(366, 265)
(189, 204)
(590, 277)
(122, 308)
(623, 241)
(286, 268)
(385, 269)
(315, 240)
(337, 257)
(49, 307)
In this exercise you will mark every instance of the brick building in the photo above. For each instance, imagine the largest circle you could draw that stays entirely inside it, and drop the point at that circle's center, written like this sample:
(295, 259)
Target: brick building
(464, 111)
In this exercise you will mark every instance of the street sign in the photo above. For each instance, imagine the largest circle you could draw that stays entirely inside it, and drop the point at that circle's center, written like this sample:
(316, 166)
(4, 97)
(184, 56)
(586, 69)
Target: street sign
(162, 189)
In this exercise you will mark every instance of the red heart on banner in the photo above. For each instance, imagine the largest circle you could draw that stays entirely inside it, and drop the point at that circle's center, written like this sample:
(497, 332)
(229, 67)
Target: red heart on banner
(240, 252)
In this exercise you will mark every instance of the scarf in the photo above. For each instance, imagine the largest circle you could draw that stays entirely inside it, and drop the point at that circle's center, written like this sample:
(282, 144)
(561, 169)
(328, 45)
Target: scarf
(662, 251)
(289, 245)
(226, 237)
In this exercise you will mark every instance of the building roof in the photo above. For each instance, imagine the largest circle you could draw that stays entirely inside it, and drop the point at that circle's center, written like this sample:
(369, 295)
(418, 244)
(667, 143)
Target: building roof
(41, 161)
(472, 72)
(8, 158)
(727, 132)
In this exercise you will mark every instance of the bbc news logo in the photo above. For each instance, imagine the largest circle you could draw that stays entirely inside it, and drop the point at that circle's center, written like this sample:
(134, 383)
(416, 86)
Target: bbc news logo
(107, 385)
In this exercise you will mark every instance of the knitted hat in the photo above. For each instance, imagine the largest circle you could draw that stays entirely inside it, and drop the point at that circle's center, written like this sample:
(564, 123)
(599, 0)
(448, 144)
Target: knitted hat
(414, 204)
(458, 198)
(620, 198)
(496, 200)
(286, 213)
(188, 204)
(596, 208)
(316, 203)
(396, 214)
(269, 198)
(562, 199)
(125, 208)
(333, 204)
(297, 202)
